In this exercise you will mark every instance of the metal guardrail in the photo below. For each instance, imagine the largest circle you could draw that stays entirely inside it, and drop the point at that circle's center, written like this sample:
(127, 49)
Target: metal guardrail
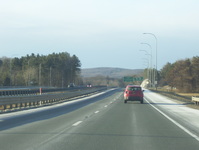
(10, 92)
(195, 100)
(33, 90)
(10, 102)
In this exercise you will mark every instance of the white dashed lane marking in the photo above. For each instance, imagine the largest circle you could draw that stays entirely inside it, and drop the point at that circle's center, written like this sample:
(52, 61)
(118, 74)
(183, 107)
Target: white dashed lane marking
(77, 123)
(96, 112)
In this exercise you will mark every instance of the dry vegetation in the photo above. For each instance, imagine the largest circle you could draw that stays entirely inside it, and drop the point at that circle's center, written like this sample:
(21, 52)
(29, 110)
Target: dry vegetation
(182, 75)
(185, 98)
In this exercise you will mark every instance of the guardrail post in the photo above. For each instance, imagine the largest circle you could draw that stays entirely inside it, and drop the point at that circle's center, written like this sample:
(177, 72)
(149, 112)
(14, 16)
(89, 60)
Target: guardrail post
(18, 105)
(195, 100)
(40, 91)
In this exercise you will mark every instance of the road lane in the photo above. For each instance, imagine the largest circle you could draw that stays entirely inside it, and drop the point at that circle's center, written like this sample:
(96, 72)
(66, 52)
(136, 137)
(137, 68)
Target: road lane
(106, 124)
(177, 111)
(11, 120)
(125, 126)
(34, 129)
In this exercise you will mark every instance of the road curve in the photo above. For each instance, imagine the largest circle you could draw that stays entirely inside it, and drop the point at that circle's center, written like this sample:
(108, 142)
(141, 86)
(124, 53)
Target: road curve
(101, 122)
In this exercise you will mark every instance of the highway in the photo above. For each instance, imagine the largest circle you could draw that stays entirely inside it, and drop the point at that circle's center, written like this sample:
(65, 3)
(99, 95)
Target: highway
(99, 122)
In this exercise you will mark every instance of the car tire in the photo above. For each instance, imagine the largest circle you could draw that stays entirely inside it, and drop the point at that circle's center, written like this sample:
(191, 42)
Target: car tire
(125, 101)
(142, 101)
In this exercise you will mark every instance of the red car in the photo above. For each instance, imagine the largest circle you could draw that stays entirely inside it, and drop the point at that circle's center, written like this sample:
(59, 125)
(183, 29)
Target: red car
(133, 93)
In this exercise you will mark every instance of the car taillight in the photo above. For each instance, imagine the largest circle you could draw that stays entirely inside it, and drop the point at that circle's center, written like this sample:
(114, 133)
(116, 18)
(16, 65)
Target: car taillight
(127, 92)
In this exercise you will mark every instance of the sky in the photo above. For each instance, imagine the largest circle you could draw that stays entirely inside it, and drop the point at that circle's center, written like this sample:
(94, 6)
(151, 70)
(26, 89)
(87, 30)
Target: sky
(102, 33)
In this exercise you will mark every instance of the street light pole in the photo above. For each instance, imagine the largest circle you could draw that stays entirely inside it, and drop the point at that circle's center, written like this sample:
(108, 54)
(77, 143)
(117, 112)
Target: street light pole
(151, 64)
(147, 44)
(150, 72)
(151, 52)
(147, 61)
(156, 52)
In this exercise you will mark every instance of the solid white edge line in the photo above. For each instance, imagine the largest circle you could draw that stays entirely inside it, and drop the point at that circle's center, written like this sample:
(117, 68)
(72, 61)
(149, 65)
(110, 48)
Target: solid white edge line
(175, 122)
(77, 123)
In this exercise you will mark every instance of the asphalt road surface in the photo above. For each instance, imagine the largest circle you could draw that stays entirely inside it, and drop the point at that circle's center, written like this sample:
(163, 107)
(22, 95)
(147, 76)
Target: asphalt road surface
(102, 122)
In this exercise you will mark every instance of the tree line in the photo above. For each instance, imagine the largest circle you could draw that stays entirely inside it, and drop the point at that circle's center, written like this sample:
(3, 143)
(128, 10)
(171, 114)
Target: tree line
(56, 70)
(183, 75)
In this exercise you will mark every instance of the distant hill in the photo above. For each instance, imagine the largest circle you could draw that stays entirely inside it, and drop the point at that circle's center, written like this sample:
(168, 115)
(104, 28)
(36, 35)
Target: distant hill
(111, 72)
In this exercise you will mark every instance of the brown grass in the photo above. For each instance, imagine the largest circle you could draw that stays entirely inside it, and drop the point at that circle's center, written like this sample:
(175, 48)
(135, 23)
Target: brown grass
(181, 97)
(188, 94)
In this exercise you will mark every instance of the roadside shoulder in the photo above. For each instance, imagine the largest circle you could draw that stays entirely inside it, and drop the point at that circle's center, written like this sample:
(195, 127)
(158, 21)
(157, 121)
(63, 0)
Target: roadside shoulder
(184, 100)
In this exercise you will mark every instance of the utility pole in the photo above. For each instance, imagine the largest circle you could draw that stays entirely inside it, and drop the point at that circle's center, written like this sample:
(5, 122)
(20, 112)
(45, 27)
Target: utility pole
(39, 74)
(50, 76)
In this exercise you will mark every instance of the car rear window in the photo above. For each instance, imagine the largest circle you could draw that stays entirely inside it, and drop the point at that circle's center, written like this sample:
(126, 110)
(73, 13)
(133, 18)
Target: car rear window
(134, 89)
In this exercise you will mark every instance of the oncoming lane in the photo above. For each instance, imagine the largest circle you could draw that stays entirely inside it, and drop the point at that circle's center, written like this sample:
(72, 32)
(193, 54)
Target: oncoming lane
(32, 128)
